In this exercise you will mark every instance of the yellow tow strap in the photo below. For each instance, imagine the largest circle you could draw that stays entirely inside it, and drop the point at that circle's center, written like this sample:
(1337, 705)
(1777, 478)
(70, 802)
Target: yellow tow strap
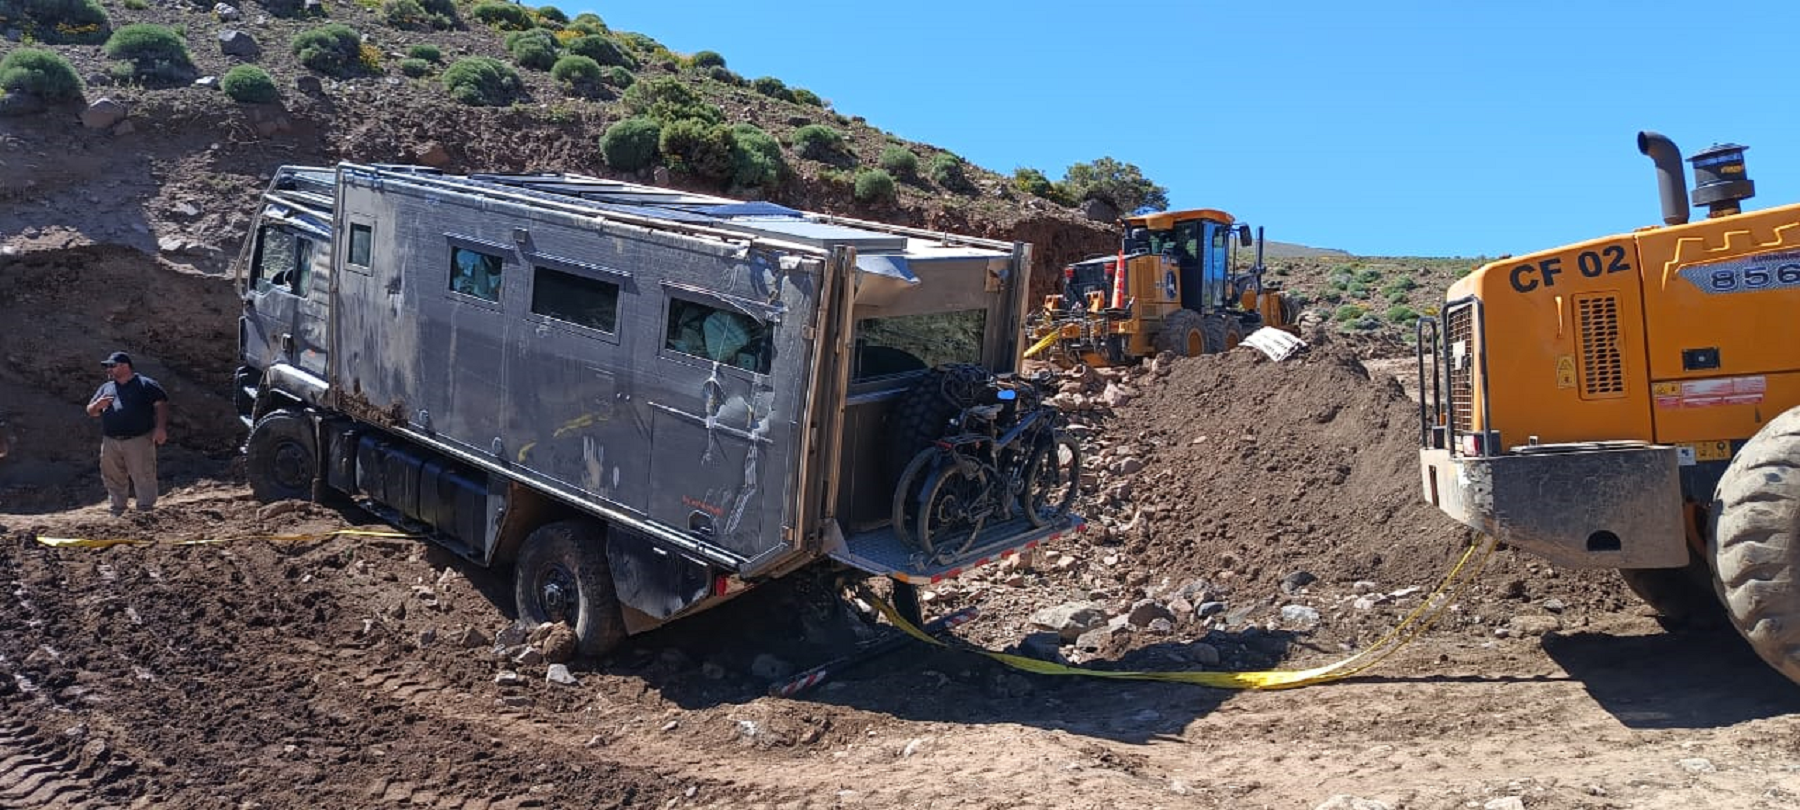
(1415, 623)
(104, 542)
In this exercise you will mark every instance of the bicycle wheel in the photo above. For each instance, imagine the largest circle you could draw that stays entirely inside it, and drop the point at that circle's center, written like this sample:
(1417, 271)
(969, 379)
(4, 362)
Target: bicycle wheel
(907, 494)
(1052, 477)
(954, 498)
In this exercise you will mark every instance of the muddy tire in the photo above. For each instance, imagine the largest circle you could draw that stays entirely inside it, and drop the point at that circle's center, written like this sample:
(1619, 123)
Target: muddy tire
(1184, 333)
(923, 413)
(1684, 597)
(1755, 542)
(1222, 334)
(562, 575)
(1052, 479)
(281, 458)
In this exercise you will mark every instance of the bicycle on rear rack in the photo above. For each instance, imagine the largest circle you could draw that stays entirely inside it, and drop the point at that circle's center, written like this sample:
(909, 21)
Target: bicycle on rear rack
(1007, 456)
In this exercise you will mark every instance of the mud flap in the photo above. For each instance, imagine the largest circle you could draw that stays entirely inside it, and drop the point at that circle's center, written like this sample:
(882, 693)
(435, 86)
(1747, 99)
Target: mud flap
(1577, 506)
(658, 582)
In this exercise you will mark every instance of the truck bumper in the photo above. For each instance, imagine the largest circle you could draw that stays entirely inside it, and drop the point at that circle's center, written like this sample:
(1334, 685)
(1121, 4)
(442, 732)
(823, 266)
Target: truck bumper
(1580, 506)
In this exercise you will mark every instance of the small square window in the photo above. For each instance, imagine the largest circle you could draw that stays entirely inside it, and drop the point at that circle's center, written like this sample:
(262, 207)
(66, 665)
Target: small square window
(575, 299)
(720, 335)
(362, 242)
(475, 273)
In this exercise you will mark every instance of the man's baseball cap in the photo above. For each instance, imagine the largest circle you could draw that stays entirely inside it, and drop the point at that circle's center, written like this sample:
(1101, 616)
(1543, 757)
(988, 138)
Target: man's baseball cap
(116, 358)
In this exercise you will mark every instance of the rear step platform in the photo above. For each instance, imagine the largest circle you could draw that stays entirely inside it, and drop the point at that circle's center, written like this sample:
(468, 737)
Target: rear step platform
(880, 552)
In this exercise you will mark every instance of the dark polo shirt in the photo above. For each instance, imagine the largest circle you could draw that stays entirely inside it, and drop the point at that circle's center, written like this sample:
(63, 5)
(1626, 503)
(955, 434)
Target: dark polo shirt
(133, 409)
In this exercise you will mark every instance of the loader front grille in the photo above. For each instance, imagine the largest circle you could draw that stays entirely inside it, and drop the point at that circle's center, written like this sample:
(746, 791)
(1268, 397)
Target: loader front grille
(1602, 369)
(1459, 346)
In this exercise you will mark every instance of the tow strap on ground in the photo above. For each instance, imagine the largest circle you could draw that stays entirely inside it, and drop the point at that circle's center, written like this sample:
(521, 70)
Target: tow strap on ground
(104, 542)
(1409, 628)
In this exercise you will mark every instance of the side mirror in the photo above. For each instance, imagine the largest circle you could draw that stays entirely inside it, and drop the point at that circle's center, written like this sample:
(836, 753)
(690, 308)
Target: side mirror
(1244, 235)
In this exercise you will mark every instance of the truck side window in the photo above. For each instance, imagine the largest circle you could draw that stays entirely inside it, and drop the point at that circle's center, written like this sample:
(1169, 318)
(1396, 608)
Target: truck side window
(274, 258)
(710, 333)
(362, 243)
(475, 273)
(575, 299)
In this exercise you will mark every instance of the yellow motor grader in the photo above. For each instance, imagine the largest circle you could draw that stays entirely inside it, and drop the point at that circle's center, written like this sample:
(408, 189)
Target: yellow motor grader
(1170, 287)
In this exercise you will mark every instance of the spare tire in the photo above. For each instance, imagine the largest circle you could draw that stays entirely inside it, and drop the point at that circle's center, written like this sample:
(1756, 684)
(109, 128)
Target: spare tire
(923, 413)
(1755, 542)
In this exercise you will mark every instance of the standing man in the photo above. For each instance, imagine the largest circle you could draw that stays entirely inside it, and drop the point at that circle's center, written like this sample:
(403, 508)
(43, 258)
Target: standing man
(134, 416)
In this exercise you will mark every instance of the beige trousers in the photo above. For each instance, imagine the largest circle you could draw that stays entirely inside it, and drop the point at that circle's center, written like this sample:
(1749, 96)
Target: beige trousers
(126, 464)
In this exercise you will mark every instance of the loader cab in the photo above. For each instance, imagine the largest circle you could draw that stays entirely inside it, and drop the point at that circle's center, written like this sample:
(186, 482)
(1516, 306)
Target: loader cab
(1199, 243)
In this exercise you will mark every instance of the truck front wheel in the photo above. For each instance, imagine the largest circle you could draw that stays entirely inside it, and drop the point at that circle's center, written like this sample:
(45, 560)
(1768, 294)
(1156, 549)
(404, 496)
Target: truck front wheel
(1755, 542)
(562, 576)
(280, 459)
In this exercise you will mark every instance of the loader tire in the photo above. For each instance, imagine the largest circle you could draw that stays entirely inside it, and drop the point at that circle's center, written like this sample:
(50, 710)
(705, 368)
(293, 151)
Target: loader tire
(921, 415)
(1222, 333)
(281, 457)
(1683, 597)
(1184, 333)
(562, 575)
(1755, 542)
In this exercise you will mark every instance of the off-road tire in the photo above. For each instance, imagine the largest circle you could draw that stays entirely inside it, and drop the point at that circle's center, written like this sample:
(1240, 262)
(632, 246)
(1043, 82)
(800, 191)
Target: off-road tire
(922, 414)
(1683, 597)
(562, 575)
(281, 458)
(907, 492)
(1222, 333)
(1755, 542)
(1184, 333)
(1050, 484)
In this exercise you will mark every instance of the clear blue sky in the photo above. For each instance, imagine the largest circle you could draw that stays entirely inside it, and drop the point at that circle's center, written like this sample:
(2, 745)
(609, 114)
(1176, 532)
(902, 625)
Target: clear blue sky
(1382, 128)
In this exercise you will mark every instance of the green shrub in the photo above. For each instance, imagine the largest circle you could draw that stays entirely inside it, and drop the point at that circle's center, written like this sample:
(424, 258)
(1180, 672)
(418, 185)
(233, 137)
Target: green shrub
(425, 51)
(1402, 314)
(249, 84)
(602, 50)
(136, 5)
(415, 67)
(333, 49)
(405, 14)
(755, 157)
(698, 148)
(441, 13)
(535, 49)
(59, 21)
(946, 170)
(642, 43)
(808, 97)
(772, 87)
(552, 14)
(708, 59)
(1349, 312)
(668, 99)
(587, 23)
(720, 74)
(39, 72)
(504, 16)
(616, 76)
(1033, 182)
(154, 53)
(874, 185)
(630, 144)
(482, 81)
(816, 141)
(577, 74)
(899, 161)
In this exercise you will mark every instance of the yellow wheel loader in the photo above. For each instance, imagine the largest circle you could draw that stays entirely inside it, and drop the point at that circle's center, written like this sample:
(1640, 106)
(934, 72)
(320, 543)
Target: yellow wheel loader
(1170, 287)
(1633, 402)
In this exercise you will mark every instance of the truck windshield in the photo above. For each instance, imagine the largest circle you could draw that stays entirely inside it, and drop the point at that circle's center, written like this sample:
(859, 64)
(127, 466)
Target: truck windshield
(887, 346)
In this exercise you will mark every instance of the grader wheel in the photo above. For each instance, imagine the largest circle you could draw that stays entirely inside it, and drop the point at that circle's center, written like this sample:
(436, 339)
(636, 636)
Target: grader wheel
(1755, 542)
(1184, 333)
(1222, 334)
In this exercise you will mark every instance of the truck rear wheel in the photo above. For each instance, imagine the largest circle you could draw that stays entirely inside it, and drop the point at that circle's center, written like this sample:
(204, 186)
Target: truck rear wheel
(1184, 333)
(1755, 542)
(281, 457)
(562, 576)
(1222, 333)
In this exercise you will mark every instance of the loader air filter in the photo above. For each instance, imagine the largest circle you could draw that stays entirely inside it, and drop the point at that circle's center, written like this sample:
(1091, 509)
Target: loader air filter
(1720, 180)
